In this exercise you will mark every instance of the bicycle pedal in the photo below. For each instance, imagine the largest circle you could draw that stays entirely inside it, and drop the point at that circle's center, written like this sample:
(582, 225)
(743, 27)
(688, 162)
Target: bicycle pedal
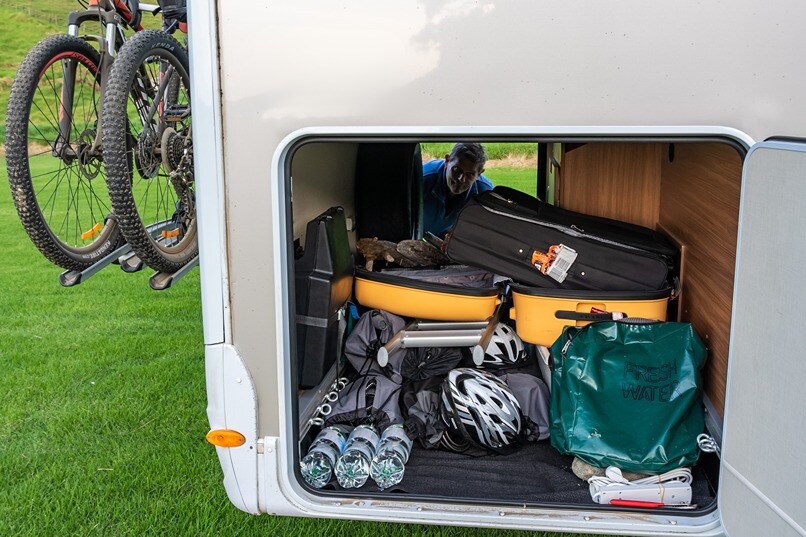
(176, 113)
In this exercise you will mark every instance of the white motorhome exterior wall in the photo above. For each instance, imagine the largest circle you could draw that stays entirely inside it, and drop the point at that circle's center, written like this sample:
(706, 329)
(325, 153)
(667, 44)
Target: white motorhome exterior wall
(290, 65)
(431, 68)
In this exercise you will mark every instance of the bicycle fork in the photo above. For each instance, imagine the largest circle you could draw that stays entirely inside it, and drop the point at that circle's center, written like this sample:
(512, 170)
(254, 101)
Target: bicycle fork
(108, 45)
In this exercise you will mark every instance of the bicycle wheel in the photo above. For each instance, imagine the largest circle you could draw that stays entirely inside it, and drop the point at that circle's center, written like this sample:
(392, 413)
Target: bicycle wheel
(55, 171)
(148, 150)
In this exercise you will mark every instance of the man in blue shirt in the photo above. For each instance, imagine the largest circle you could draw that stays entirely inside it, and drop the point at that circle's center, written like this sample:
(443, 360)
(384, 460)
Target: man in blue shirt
(449, 183)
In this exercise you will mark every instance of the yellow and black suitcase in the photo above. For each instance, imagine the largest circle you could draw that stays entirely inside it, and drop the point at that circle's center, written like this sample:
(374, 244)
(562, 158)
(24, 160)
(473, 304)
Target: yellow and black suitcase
(540, 314)
(449, 294)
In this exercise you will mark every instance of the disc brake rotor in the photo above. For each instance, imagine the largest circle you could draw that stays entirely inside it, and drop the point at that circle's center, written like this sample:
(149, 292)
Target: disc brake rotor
(88, 161)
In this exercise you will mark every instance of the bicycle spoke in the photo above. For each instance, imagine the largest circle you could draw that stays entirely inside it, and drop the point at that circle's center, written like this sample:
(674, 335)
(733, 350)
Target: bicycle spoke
(76, 195)
(56, 128)
(58, 177)
(32, 155)
(70, 200)
(62, 230)
(167, 198)
(74, 187)
(87, 197)
(167, 195)
(102, 201)
(43, 187)
(55, 94)
(44, 138)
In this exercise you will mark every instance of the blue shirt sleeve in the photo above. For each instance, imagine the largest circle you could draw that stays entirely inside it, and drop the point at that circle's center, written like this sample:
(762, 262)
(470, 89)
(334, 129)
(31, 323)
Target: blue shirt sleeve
(483, 184)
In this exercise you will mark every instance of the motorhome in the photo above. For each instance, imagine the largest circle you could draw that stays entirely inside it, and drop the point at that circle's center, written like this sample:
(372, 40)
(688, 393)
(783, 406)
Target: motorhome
(682, 118)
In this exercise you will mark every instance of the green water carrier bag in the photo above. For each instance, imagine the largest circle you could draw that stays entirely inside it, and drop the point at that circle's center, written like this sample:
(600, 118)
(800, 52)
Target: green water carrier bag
(628, 393)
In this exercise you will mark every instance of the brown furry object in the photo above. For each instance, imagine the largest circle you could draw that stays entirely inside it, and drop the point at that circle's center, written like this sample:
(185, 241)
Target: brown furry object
(422, 253)
(374, 249)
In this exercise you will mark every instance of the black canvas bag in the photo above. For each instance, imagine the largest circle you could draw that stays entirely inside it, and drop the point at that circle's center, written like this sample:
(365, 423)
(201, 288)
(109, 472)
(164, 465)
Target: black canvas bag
(500, 230)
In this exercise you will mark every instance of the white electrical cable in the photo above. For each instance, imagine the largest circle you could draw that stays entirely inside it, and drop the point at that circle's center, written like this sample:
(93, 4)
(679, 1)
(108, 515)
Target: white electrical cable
(707, 444)
(613, 477)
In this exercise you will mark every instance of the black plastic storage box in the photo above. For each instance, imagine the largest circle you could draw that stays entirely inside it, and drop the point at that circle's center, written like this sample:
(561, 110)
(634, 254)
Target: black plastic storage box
(324, 281)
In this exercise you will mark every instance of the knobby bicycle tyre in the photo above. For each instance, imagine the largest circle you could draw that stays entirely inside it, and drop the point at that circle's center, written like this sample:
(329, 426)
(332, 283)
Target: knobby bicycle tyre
(155, 208)
(63, 205)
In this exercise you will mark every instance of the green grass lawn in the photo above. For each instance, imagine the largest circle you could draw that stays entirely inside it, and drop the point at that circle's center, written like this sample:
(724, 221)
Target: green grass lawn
(102, 409)
(494, 150)
(523, 179)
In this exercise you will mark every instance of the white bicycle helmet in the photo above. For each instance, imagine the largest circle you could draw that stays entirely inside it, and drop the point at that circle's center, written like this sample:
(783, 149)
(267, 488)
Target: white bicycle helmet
(481, 409)
(504, 349)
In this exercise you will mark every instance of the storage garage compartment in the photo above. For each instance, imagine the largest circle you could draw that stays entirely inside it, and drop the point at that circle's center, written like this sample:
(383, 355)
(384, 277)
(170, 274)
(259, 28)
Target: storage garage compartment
(687, 187)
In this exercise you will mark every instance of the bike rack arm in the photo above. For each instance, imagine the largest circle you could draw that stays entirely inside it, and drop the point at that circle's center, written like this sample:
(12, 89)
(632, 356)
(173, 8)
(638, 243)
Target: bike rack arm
(163, 280)
(70, 278)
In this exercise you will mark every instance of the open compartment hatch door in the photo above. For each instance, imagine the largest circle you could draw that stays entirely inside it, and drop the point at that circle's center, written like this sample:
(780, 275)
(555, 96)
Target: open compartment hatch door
(763, 479)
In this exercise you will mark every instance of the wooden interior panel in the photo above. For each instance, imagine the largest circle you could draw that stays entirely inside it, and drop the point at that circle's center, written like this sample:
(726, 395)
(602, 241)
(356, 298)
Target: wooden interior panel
(614, 180)
(699, 206)
(694, 198)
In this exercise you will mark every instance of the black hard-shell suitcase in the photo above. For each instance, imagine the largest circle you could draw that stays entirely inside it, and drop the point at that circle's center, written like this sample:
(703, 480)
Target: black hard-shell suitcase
(505, 231)
(323, 283)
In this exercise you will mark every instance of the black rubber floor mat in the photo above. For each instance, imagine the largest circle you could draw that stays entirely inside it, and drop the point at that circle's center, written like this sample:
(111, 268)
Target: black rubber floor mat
(537, 473)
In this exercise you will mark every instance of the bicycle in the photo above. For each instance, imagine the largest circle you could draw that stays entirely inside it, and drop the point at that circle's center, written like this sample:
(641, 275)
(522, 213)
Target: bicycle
(53, 145)
(146, 132)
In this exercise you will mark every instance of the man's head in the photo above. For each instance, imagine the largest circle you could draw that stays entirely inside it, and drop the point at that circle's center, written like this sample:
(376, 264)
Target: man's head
(463, 166)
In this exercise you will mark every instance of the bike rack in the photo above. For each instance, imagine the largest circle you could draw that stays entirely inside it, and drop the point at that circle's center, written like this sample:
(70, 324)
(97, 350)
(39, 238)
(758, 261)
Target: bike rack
(163, 280)
(69, 278)
(129, 262)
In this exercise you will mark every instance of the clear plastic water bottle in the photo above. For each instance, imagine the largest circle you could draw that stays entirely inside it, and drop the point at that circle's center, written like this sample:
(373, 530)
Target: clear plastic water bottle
(390, 460)
(352, 469)
(317, 466)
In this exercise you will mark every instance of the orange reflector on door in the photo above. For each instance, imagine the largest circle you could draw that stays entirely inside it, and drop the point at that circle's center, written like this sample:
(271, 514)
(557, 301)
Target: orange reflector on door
(92, 232)
(169, 234)
(225, 438)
